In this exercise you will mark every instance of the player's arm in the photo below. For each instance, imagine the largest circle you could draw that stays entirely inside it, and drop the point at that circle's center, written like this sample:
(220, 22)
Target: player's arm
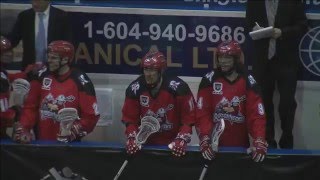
(16, 32)
(88, 108)
(29, 114)
(131, 119)
(186, 108)
(131, 112)
(204, 122)
(256, 122)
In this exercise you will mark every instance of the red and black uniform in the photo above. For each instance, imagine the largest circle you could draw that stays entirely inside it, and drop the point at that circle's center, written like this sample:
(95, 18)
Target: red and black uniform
(7, 114)
(50, 93)
(237, 102)
(173, 106)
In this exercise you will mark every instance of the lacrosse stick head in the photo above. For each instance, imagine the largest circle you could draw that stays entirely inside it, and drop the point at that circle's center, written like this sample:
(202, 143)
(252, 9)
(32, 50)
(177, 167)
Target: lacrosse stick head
(66, 117)
(149, 125)
(217, 131)
(20, 88)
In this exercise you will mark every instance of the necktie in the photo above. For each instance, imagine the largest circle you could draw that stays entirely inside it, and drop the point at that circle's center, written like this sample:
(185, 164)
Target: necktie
(41, 40)
(271, 7)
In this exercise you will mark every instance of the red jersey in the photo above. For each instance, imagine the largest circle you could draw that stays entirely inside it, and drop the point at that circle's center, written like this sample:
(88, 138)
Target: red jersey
(50, 93)
(173, 106)
(7, 115)
(237, 102)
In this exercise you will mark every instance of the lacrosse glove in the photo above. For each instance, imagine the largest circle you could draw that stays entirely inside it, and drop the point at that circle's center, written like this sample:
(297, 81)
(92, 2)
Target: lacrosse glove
(258, 150)
(179, 144)
(206, 148)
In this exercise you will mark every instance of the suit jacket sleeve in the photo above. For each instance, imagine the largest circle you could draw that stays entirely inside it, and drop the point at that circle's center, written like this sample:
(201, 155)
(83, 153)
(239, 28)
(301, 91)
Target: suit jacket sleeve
(300, 25)
(16, 35)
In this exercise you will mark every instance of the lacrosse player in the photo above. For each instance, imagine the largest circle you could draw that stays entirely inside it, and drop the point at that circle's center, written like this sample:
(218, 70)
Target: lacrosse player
(229, 93)
(58, 87)
(8, 114)
(168, 99)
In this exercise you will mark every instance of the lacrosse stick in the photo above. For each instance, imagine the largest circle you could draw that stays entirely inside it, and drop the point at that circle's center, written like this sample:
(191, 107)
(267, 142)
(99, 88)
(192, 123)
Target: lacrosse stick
(20, 88)
(66, 117)
(149, 125)
(218, 130)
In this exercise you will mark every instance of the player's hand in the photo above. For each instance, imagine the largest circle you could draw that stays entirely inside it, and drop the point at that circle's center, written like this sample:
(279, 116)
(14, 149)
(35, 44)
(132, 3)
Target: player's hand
(178, 147)
(76, 132)
(21, 134)
(206, 148)
(132, 146)
(259, 149)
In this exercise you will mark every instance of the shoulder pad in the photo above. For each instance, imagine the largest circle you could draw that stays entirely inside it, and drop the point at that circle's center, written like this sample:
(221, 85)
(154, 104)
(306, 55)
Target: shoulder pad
(251, 80)
(135, 87)
(209, 76)
(83, 81)
(177, 86)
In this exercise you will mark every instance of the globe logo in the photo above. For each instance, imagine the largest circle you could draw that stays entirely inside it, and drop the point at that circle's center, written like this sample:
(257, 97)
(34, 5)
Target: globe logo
(309, 51)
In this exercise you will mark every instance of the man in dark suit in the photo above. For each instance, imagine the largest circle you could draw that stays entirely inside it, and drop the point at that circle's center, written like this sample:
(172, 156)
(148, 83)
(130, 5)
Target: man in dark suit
(37, 27)
(276, 60)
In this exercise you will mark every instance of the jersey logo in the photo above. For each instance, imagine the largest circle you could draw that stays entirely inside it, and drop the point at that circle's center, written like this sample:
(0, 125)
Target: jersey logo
(174, 85)
(251, 80)
(83, 80)
(135, 87)
(200, 103)
(95, 109)
(230, 110)
(217, 88)
(144, 101)
(3, 75)
(209, 76)
(46, 83)
(260, 109)
(51, 105)
(161, 115)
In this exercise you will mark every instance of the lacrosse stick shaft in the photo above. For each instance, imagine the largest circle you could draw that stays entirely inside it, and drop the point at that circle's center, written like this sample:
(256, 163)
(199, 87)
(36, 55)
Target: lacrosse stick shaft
(121, 169)
(204, 171)
(216, 136)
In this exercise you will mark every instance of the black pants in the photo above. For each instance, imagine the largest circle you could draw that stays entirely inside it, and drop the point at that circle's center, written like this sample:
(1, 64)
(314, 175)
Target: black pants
(285, 77)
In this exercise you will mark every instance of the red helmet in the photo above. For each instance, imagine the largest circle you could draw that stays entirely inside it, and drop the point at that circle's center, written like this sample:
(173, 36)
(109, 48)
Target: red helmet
(231, 48)
(5, 45)
(63, 48)
(154, 60)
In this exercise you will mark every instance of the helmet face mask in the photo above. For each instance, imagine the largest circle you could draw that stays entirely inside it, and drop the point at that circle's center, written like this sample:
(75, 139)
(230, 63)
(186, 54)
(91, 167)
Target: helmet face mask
(152, 77)
(226, 63)
(228, 57)
(60, 54)
(153, 64)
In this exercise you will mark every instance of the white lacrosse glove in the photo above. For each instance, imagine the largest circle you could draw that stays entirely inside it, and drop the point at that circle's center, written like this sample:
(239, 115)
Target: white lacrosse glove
(20, 88)
(70, 127)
